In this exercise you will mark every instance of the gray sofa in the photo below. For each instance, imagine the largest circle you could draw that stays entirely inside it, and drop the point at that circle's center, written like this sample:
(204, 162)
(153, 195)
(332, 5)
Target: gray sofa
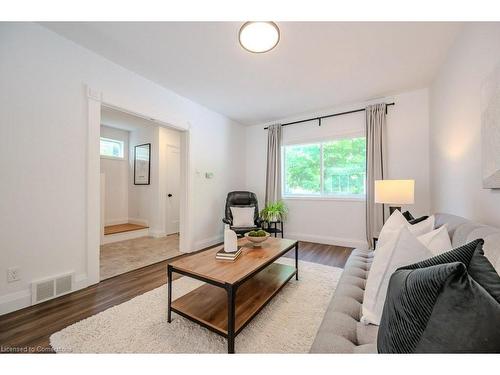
(341, 330)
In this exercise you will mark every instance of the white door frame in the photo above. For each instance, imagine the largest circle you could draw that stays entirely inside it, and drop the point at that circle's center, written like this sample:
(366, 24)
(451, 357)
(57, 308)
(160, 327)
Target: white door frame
(95, 103)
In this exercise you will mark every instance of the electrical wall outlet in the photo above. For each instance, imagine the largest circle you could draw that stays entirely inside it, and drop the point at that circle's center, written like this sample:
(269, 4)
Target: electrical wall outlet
(13, 274)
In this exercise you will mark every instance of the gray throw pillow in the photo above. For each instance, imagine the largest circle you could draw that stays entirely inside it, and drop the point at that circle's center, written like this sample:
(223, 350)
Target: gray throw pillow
(449, 303)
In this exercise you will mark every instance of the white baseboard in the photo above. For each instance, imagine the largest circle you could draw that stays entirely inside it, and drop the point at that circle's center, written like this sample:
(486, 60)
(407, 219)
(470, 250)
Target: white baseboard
(201, 244)
(338, 241)
(126, 220)
(21, 299)
(157, 234)
(81, 281)
(15, 301)
(110, 238)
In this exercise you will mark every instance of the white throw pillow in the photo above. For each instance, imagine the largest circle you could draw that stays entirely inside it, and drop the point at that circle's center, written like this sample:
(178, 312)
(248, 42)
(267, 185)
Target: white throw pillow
(423, 227)
(437, 241)
(243, 216)
(394, 223)
(399, 250)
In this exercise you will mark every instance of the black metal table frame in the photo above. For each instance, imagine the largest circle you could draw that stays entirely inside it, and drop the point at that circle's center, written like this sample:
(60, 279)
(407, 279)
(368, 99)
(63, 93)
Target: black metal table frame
(275, 230)
(231, 290)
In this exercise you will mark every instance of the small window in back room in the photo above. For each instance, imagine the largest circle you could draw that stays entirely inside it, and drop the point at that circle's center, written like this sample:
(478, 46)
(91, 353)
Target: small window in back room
(112, 148)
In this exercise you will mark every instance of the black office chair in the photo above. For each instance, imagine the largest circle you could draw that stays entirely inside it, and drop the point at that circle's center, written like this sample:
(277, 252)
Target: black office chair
(241, 199)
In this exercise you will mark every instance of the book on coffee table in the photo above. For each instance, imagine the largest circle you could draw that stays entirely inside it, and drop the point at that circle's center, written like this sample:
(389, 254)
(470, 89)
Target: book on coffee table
(223, 255)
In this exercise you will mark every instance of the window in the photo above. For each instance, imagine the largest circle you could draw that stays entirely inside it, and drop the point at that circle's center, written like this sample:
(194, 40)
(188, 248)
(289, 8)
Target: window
(334, 168)
(112, 148)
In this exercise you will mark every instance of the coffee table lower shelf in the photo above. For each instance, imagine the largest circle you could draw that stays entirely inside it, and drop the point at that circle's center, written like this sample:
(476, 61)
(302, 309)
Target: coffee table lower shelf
(208, 304)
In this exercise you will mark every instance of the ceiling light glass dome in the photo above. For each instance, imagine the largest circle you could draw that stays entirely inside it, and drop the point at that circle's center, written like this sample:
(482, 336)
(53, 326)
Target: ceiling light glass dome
(259, 37)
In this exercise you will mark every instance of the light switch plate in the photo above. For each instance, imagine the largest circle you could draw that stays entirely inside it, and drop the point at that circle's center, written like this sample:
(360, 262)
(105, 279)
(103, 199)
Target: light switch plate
(13, 274)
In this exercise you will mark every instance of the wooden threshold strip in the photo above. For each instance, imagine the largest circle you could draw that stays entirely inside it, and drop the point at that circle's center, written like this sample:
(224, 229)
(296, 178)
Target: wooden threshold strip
(122, 228)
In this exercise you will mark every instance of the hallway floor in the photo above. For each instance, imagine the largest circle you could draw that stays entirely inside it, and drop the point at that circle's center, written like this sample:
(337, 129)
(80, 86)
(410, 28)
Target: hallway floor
(125, 256)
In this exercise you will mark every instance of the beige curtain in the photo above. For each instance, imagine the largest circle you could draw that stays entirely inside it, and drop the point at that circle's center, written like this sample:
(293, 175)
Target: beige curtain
(375, 167)
(273, 173)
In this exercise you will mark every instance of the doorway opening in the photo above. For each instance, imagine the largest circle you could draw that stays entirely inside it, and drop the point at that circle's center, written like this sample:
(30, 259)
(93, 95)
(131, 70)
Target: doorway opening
(141, 167)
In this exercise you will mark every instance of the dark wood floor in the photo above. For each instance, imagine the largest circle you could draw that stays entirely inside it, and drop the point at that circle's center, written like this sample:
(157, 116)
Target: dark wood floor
(29, 329)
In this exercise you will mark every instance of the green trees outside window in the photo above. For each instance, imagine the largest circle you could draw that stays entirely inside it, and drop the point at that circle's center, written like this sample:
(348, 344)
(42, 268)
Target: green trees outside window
(330, 168)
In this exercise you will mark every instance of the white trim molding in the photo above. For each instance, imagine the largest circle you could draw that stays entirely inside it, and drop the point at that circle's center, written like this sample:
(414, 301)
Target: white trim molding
(110, 238)
(93, 184)
(96, 100)
(338, 241)
(15, 301)
(22, 299)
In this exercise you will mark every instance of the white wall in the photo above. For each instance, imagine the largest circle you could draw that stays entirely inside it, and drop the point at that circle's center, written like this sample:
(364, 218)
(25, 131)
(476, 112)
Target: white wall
(342, 222)
(43, 117)
(116, 173)
(455, 131)
(141, 202)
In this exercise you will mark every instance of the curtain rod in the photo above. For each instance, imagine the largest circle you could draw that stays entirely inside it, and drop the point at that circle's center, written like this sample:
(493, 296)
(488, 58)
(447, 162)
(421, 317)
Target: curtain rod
(327, 116)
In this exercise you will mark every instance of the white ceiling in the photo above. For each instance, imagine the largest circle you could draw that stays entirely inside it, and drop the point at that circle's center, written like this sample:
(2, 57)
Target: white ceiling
(316, 65)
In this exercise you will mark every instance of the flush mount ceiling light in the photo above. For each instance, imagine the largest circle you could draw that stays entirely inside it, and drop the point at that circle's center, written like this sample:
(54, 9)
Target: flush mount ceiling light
(259, 37)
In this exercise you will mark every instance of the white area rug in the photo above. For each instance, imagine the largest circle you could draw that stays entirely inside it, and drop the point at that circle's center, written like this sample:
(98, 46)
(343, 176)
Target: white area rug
(288, 324)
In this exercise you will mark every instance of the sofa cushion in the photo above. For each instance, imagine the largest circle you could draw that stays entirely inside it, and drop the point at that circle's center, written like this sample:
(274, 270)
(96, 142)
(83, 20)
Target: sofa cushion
(446, 304)
(491, 247)
(366, 349)
(452, 222)
(437, 241)
(397, 221)
(399, 251)
(463, 232)
(339, 331)
(348, 297)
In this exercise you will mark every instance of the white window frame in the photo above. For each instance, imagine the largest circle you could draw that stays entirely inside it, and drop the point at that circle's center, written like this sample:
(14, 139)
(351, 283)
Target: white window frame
(321, 195)
(122, 143)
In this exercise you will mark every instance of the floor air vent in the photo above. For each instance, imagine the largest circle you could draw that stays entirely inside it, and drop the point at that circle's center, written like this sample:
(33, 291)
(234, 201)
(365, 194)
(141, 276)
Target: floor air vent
(50, 288)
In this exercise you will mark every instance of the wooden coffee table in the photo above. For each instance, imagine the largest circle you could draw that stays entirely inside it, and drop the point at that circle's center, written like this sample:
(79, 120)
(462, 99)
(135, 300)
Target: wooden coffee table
(234, 292)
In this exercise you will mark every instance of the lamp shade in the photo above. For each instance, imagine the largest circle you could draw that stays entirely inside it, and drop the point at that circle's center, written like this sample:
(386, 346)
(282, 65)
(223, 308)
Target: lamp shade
(395, 191)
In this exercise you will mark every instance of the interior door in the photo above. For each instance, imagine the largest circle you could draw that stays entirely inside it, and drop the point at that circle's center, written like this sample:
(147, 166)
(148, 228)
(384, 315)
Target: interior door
(173, 179)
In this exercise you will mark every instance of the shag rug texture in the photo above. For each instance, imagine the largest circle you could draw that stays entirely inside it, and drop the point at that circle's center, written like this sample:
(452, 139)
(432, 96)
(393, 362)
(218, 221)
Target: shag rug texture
(288, 324)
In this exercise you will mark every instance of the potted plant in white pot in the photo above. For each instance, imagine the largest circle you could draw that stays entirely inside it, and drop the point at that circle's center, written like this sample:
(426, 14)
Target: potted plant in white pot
(275, 211)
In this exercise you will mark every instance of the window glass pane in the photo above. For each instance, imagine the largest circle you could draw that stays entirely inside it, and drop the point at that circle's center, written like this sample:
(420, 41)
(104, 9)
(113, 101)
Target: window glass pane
(344, 166)
(110, 147)
(303, 169)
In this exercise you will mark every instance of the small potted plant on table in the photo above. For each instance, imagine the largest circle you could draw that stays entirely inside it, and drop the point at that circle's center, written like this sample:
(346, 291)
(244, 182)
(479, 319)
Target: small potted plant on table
(274, 212)
(257, 237)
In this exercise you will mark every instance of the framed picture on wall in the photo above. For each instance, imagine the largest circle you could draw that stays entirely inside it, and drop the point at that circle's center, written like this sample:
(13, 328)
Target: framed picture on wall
(142, 164)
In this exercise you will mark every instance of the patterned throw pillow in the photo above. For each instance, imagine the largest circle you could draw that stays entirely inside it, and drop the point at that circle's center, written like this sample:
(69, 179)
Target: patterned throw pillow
(449, 303)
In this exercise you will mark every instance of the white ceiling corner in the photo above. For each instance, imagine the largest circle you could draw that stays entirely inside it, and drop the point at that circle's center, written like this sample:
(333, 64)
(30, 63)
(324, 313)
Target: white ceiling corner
(316, 64)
